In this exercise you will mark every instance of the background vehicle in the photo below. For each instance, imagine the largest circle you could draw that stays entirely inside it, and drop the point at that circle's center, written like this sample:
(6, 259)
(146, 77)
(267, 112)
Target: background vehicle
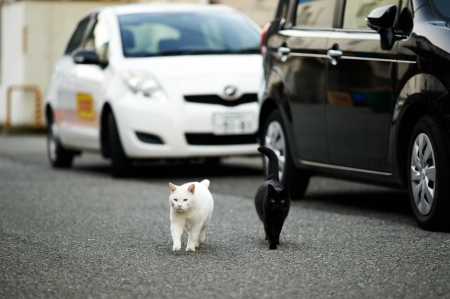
(140, 82)
(343, 100)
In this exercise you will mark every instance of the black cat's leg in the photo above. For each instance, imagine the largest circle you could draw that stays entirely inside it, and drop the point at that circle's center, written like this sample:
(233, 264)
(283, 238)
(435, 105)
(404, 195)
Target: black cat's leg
(272, 243)
(265, 231)
(276, 236)
(277, 231)
(271, 236)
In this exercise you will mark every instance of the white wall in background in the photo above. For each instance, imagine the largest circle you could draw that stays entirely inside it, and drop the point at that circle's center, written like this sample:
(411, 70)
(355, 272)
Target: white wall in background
(34, 35)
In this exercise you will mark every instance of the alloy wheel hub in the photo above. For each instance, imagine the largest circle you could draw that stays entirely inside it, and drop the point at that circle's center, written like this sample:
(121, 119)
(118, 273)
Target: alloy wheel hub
(423, 174)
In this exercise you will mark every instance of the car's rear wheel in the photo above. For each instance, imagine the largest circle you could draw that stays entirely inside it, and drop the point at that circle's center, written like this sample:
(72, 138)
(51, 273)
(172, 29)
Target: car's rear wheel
(429, 174)
(58, 156)
(274, 136)
(120, 164)
(212, 161)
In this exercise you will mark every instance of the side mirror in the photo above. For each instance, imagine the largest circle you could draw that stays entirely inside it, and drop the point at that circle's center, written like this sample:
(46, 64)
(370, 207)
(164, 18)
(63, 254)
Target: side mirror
(382, 20)
(83, 56)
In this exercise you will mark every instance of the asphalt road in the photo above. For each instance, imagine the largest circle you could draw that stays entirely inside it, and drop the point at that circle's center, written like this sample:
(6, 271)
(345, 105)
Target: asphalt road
(79, 233)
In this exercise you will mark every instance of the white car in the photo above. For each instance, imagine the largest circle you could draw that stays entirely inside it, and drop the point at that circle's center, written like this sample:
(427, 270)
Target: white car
(156, 81)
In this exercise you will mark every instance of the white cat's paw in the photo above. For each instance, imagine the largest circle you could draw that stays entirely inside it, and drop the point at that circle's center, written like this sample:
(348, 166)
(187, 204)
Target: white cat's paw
(177, 247)
(190, 249)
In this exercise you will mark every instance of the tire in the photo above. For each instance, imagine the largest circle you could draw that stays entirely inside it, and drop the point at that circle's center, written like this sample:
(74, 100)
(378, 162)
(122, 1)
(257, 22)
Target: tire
(58, 156)
(212, 161)
(274, 137)
(428, 173)
(120, 164)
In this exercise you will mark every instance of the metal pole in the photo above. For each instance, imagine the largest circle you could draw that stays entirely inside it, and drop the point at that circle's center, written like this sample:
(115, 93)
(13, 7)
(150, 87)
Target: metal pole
(37, 104)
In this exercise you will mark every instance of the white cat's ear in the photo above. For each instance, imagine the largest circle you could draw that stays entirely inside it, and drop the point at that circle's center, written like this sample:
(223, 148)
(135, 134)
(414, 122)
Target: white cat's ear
(191, 188)
(172, 187)
(206, 183)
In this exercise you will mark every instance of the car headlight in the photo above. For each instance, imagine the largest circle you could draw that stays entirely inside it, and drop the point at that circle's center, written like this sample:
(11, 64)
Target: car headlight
(144, 84)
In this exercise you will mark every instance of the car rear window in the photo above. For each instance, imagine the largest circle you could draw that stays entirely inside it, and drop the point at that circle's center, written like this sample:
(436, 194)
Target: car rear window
(157, 34)
(315, 13)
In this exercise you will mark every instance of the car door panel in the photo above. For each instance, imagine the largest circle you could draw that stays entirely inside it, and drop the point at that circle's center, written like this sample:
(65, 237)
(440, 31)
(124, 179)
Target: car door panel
(64, 107)
(359, 101)
(88, 96)
(89, 85)
(304, 73)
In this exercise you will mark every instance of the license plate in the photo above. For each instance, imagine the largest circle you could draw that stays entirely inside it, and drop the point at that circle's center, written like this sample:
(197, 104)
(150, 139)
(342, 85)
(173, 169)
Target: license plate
(233, 123)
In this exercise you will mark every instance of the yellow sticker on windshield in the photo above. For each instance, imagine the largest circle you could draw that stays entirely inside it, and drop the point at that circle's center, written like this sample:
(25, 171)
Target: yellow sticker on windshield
(85, 106)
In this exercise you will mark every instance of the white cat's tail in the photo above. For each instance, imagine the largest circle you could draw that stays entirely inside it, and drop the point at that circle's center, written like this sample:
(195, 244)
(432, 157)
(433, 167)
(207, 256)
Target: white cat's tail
(205, 182)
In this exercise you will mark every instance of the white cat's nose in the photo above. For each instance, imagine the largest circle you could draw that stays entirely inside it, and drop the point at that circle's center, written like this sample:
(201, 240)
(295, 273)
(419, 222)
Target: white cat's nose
(179, 206)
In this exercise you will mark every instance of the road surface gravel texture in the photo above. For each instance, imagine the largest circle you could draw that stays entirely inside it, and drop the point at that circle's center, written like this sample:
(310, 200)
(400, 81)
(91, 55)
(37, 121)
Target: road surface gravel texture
(79, 233)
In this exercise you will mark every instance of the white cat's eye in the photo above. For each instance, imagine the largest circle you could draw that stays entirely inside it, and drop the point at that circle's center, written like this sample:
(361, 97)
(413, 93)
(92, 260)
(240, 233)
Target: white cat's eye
(272, 200)
(185, 199)
(175, 199)
(282, 200)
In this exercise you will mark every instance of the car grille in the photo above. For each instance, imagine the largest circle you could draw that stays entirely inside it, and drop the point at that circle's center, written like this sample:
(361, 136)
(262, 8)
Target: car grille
(216, 100)
(211, 139)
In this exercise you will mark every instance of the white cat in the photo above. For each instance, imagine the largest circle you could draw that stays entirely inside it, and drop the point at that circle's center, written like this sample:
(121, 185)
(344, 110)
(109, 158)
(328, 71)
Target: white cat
(191, 208)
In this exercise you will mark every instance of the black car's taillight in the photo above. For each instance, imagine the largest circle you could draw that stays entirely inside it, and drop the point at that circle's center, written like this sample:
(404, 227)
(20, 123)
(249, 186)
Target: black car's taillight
(264, 36)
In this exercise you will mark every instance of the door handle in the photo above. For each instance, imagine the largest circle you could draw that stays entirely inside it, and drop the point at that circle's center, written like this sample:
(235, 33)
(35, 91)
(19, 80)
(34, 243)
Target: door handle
(283, 52)
(334, 55)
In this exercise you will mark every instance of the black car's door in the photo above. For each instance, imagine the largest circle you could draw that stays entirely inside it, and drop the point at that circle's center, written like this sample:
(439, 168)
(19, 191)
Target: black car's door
(359, 95)
(304, 72)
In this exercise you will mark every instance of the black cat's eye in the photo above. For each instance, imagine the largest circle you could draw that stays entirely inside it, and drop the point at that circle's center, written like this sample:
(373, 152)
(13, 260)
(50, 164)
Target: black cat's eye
(272, 200)
(282, 201)
(185, 199)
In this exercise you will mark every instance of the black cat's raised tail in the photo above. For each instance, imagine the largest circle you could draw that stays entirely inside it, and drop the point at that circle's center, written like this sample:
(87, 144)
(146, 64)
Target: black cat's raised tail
(273, 163)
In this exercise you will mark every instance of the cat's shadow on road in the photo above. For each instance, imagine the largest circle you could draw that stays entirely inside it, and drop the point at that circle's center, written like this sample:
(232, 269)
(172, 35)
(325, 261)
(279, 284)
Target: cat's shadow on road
(381, 201)
(390, 205)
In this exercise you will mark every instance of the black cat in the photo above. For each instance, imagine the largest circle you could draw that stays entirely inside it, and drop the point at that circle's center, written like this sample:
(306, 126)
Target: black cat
(272, 201)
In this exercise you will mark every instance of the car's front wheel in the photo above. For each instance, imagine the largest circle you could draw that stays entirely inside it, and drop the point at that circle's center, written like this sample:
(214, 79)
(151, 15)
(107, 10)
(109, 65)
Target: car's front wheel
(274, 136)
(120, 164)
(58, 156)
(429, 174)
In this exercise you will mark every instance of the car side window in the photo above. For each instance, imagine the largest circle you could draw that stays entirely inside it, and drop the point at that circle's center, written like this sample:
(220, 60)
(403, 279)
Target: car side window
(98, 38)
(315, 13)
(77, 37)
(356, 11)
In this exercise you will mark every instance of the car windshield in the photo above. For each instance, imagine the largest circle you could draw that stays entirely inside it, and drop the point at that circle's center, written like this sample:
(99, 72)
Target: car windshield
(164, 34)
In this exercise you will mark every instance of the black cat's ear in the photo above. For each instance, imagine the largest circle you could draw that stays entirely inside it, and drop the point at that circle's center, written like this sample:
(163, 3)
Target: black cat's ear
(285, 191)
(271, 189)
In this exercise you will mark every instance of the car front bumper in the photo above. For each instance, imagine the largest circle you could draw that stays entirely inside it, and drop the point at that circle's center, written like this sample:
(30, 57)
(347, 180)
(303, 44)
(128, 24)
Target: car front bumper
(171, 120)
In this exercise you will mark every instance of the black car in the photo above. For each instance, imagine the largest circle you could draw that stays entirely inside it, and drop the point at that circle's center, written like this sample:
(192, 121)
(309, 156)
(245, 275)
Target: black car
(360, 90)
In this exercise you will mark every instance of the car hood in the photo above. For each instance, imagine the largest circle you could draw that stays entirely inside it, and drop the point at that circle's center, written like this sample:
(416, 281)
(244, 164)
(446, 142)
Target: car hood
(179, 67)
